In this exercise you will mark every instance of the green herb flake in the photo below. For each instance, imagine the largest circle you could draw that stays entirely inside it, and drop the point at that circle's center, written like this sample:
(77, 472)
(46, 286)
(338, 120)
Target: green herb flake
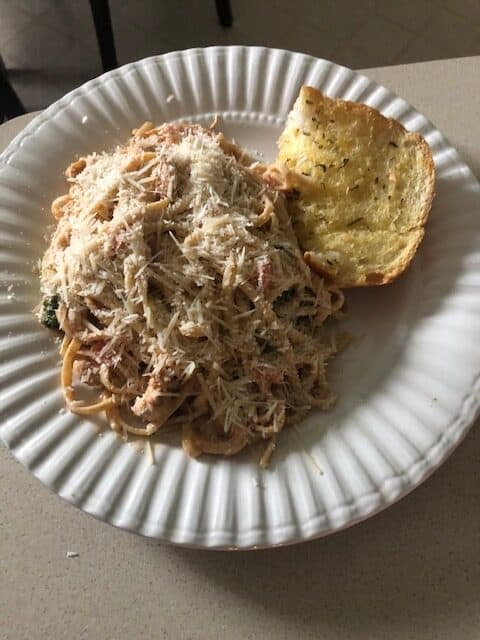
(286, 295)
(352, 222)
(48, 316)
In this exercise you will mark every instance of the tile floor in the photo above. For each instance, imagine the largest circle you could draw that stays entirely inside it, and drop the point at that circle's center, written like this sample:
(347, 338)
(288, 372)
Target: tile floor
(49, 46)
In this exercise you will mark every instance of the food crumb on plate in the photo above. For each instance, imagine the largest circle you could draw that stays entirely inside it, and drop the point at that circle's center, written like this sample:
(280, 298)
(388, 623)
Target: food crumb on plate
(258, 482)
(170, 98)
(72, 554)
(84, 119)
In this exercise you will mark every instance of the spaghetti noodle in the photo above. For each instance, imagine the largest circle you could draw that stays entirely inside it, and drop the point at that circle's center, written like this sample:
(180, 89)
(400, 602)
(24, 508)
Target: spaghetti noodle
(183, 296)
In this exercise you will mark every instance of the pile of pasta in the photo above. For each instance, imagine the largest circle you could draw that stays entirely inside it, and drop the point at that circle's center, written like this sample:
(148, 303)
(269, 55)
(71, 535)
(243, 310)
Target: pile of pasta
(179, 285)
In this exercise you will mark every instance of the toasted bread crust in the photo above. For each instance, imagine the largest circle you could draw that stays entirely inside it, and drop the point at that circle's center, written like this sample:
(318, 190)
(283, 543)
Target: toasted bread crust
(310, 99)
(376, 278)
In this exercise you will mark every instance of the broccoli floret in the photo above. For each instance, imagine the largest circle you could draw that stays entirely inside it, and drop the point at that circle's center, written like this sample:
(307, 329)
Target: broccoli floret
(48, 317)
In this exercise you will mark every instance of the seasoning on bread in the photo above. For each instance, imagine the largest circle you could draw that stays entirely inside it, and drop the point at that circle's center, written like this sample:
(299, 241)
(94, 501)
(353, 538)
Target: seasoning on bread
(363, 189)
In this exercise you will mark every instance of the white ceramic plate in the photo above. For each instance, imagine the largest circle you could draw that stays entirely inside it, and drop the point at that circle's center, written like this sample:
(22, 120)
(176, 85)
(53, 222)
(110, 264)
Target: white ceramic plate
(409, 385)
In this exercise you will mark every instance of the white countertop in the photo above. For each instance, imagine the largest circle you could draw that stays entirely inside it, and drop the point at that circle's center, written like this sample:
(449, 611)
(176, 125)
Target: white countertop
(411, 572)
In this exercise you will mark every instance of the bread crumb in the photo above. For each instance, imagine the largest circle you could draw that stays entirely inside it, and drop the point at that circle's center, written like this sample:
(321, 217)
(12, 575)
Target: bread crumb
(258, 482)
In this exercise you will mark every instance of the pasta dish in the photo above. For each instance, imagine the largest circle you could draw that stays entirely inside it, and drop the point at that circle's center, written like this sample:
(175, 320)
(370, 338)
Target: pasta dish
(178, 283)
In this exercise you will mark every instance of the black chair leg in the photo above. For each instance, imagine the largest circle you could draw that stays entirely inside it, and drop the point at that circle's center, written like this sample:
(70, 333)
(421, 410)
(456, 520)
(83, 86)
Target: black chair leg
(10, 104)
(103, 28)
(224, 12)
